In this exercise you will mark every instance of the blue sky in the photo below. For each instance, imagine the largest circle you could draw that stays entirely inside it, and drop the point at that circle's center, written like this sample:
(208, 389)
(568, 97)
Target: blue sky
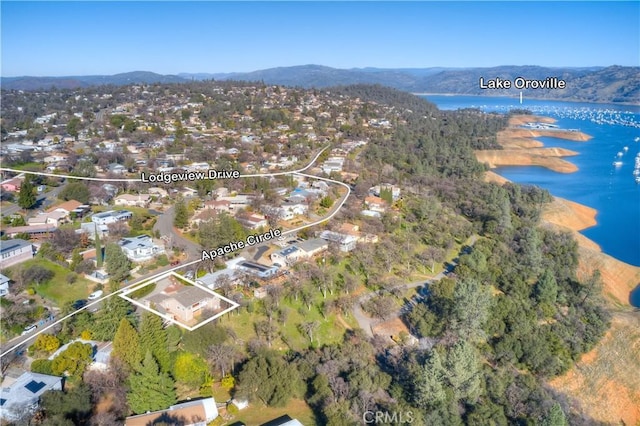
(81, 38)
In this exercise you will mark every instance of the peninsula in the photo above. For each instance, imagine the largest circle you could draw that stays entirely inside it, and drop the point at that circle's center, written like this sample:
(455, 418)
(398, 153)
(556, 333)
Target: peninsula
(521, 149)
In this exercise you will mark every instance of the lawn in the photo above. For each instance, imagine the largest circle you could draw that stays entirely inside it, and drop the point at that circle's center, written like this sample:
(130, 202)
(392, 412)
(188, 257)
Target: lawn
(257, 413)
(57, 289)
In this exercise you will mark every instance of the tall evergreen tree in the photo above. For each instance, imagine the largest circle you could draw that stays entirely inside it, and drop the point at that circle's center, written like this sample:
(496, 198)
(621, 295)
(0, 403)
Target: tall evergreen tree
(181, 214)
(108, 319)
(153, 338)
(126, 344)
(27, 196)
(150, 390)
(98, 245)
(118, 265)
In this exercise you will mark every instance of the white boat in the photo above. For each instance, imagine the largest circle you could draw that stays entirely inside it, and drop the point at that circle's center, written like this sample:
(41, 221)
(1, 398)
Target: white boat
(625, 149)
(617, 163)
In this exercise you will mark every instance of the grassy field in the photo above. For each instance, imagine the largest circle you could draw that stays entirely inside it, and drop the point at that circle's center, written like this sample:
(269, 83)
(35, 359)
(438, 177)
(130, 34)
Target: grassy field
(58, 290)
(256, 414)
(605, 383)
(330, 330)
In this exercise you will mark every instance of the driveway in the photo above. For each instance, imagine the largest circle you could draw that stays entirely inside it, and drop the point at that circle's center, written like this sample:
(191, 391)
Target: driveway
(164, 225)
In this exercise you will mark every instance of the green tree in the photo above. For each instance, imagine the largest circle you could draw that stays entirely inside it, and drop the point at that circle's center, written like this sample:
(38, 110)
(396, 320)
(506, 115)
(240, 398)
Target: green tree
(555, 417)
(75, 191)
(430, 383)
(118, 265)
(387, 195)
(46, 343)
(73, 406)
(72, 127)
(190, 369)
(72, 360)
(150, 389)
(471, 305)
(257, 380)
(326, 202)
(126, 344)
(153, 338)
(27, 195)
(181, 217)
(107, 321)
(546, 289)
(98, 245)
(463, 371)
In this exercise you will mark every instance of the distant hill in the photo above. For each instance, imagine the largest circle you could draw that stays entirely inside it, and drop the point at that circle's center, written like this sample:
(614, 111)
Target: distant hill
(594, 84)
(74, 82)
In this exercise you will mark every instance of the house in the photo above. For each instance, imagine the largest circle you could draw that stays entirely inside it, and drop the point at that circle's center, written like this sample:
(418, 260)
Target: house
(287, 256)
(252, 221)
(183, 303)
(312, 247)
(4, 285)
(203, 216)
(218, 205)
(23, 395)
(140, 248)
(257, 269)
(67, 207)
(131, 200)
(91, 228)
(191, 413)
(34, 231)
(345, 242)
(285, 420)
(11, 185)
(117, 169)
(55, 218)
(112, 216)
(375, 204)
(14, 251)
(379, 189)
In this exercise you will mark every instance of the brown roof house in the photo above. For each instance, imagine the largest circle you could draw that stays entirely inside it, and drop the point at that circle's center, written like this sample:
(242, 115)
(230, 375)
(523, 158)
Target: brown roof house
(183, 303)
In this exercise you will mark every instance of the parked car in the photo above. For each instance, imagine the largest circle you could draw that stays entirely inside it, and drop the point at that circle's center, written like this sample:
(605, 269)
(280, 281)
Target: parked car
(29, 329)
(95, 295)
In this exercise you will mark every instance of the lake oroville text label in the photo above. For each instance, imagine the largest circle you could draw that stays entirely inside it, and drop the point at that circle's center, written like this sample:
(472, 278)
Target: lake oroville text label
(522, 83)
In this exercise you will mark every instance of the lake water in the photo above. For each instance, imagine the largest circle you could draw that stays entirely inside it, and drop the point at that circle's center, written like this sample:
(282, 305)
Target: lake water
(598, 183)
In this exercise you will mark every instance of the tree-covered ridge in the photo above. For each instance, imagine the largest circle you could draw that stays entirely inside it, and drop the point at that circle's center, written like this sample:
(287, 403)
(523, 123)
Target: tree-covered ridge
(426, 141)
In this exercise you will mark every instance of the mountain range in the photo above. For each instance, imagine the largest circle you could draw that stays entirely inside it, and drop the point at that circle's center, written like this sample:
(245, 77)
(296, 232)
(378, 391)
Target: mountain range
(590, 84)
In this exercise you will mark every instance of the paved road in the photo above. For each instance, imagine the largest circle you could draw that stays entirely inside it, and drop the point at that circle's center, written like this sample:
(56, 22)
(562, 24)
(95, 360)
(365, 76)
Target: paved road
(367, 323)
(43, 201)
(164, 225)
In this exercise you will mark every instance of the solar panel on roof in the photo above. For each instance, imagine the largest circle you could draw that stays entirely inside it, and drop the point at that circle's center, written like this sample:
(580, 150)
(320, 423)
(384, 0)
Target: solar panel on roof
(34, 386)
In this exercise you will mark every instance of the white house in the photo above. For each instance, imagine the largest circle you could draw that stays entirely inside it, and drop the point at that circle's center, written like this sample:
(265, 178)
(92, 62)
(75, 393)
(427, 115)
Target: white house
(111, 216)
(191, 413)
(22, 396)
(133, 200)
(4, 285)
(14, 251)
(140, 248)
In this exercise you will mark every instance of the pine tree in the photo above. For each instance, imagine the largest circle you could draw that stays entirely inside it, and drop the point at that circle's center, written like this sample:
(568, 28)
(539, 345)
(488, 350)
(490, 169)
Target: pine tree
(150, 390)
(181, 217)
(126, 344)
(98, 248)
(27, 196)
(118, 265)
(153, 338)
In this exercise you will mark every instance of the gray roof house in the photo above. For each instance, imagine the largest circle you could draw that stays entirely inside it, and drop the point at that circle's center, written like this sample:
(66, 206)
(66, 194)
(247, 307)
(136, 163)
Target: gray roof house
(24, 394)
(140, 248)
